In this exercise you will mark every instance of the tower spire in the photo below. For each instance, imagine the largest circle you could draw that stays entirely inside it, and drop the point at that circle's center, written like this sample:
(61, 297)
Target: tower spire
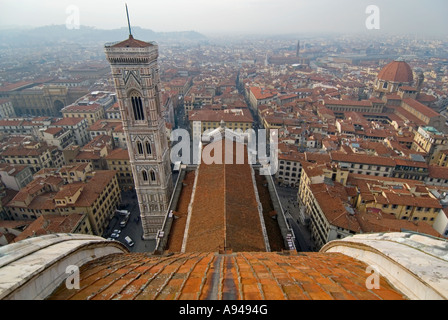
(129, 23)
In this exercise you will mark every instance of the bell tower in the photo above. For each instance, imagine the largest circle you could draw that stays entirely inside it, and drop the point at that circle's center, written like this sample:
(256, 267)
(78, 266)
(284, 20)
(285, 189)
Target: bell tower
(136, 78)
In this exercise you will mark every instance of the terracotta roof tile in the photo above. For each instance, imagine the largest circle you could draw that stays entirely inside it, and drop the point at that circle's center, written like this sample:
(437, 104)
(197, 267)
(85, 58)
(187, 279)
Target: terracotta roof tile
(438, 172)
(46, 224)
(414, 104)
(396, 71)
(361, 158)
(250, 276)
(118, 154)
(180, 213)
(131, 42)
(261, 93)
(218, 115)
(68, 121)
(225, 202)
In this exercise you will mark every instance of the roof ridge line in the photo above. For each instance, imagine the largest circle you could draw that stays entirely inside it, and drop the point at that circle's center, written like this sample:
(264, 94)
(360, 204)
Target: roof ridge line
(190, 211)
(225, 197)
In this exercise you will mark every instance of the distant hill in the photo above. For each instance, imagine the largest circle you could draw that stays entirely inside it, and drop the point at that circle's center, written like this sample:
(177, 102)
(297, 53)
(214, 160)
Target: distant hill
(57, 34)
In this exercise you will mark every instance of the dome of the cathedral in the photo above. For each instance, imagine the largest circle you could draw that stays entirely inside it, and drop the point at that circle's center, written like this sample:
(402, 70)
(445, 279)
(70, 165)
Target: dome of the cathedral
(396, 71)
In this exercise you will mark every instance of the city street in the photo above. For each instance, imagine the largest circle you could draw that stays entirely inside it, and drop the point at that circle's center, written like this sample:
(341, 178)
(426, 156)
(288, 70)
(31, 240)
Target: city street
(288, 198)
(133, 228)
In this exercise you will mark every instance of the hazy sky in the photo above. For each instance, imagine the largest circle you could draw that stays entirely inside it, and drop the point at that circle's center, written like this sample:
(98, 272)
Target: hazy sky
(235, 16)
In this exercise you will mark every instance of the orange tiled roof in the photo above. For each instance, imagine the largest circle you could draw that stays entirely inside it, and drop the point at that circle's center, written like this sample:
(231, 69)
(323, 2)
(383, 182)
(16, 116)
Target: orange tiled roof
(379, 221)
(68, 121)
(212, 276)
(438, 172)
(82, 108)
(216, 116)
(423, 97)
(361, 158)
(363, 103)
(118, 154)
(46, 224)
(87, 155)
(225, 203)
(14, 86)
(421, 108)
(8, 122)
(12, 169)
(261, 93)
(333, 202)
(131, 42)
(92, 189)
(106, 124)
(20, 151)
(181, 212)
(396, 71)
(53, 130)
(68, 191)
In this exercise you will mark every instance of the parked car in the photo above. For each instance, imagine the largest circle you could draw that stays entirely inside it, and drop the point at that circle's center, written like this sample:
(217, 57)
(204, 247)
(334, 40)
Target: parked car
(124, 221)
(122, 212)
(129, 241)
(115, 235)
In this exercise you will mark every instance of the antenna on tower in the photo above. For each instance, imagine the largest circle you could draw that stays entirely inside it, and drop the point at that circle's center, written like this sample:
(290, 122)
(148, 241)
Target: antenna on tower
(129, 23)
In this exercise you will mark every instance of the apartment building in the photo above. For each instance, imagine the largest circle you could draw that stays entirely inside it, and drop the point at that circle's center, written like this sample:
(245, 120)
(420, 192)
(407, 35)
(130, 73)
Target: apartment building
(414, 168)
(290, 168)
(364, 203)
(93, 152)
(97, 196)
(331, 215)
(423, 113)
(78, 127)
(55, 223)
(91, 112)
(364, 164)
(373, 105)
(109, 127)
(75, 173)
(113, 112)
(428, 140)
(316, 173)
(405, 199)
(15, 176)
(6, 109)
(24, 126)
(259, 96)
(58, 137)
(202, 120)
(118, 160)
(36, 155)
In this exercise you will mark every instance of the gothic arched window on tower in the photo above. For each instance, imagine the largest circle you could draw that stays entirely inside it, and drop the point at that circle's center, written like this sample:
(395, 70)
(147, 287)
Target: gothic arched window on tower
(137, 107)
(139, 147)
(153, 175)
(148, 148)
(144, 175)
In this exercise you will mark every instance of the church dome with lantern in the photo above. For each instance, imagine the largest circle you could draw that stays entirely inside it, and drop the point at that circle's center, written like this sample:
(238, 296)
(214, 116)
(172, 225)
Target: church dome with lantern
(392, 76)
